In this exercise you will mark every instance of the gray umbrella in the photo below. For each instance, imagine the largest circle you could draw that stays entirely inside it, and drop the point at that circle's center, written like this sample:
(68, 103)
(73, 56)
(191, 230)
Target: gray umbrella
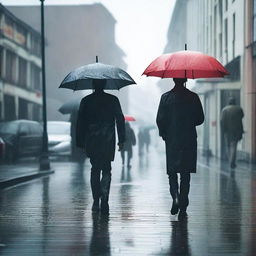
(82, 77)
(70, 106)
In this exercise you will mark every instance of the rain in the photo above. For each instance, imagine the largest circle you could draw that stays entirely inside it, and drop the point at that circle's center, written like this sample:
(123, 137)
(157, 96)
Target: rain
(127, 127)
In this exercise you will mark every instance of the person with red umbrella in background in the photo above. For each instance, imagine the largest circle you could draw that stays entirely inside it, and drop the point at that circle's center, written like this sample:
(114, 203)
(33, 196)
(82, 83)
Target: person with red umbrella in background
(130, 141)
(179, 112)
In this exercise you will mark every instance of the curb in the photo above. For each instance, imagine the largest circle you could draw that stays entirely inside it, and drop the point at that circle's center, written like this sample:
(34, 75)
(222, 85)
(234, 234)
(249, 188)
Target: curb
(21, 179)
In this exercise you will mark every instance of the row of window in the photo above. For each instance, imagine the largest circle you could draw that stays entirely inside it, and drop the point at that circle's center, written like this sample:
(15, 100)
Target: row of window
(26, 109)
(19, 34)
(16, 70)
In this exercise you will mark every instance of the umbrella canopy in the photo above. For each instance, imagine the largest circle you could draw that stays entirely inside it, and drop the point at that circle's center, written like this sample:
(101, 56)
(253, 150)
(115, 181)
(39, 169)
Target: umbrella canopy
(69, 107)
(129, 118)
(185, 64)
(82, 77)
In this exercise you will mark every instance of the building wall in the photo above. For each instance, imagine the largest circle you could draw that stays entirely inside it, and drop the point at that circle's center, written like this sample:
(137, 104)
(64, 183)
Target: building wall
(20, 69)
(219, 30)
(250, 76)
(74, 36)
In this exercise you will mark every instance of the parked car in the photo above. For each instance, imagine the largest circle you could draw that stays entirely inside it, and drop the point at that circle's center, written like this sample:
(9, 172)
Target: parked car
(2, 149)
(22, 138)
(59, 139)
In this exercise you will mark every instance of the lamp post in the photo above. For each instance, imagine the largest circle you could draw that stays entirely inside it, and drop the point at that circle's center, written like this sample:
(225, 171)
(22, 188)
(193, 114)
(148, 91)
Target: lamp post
(44, 160)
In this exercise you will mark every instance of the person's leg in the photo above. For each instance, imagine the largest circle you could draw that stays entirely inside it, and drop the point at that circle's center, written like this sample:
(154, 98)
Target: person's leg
(105, 186)
(229, 149)
(184, 191)
(174, 191)
(233, 149)
(95, 184)
(129, 156)
(123, 156)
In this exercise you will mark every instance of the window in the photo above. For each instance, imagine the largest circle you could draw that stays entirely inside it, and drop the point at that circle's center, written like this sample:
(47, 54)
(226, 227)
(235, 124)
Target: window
(20, 36)
(35, 45)
(9, 108)
(226, 38)
(234, 34)
(22, 79)
(23, 109)
(215, 31)
(220, 44)
(10, 67)
(8, 28)
(1, 62)
(254, 20)
(35, 77)
(226, 5)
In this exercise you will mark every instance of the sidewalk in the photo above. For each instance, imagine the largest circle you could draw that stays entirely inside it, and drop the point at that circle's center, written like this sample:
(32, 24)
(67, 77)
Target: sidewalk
(13, 174)
(23, 171)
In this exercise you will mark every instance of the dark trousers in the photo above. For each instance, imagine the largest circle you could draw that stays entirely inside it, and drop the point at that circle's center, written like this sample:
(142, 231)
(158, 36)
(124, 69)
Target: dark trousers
(181, 191)
(129, 156)
(100, 179)
(232, 149)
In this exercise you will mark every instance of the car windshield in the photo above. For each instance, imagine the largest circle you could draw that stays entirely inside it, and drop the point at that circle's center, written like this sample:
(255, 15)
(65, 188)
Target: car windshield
(58, 128)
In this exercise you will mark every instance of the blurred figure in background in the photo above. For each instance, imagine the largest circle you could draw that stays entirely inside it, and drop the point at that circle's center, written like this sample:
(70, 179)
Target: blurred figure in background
(141, 141)
(130, 141)
(232, 127)
(77, 153)
(98, 114)
(179, 112)
(147, 138)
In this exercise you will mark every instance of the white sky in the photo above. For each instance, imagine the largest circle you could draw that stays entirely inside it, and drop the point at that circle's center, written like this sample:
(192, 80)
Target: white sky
(141, 31)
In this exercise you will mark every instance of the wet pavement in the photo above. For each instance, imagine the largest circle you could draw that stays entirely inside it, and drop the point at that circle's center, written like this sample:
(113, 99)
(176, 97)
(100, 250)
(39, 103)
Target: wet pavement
(52, 215)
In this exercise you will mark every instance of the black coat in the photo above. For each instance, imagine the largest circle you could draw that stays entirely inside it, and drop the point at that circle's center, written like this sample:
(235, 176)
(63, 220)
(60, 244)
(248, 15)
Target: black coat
(180, 111)
(231, 122)
(98, 113)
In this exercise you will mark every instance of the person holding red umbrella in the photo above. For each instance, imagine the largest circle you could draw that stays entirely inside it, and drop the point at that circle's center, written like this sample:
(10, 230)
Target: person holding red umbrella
(179, 112)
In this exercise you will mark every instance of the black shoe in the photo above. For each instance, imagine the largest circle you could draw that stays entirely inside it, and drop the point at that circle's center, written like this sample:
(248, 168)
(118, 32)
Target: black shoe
(175, 206)
(104, 207)
(182, 215)
(95, 206)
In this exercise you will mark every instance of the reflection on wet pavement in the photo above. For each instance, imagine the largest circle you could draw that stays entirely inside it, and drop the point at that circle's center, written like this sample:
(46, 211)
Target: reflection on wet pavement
(52, 216)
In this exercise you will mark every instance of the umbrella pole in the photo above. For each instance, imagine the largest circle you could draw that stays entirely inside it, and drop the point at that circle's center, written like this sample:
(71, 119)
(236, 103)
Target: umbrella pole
(97, 60)
(185, 69)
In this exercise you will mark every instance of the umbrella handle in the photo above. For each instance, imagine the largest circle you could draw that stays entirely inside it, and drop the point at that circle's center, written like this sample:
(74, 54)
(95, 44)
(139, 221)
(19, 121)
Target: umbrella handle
(185, 69)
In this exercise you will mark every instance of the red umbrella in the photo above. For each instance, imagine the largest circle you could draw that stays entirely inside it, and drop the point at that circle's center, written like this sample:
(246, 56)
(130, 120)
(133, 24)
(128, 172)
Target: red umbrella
(129, 118)
(185, 64)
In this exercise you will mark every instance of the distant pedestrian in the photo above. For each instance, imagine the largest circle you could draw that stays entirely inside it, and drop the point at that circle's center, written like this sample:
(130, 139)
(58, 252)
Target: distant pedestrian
(232, 127)
(130, 141)
(98, 113)
(179, 112)
(147, 139)
(141, 141)
(77, 153)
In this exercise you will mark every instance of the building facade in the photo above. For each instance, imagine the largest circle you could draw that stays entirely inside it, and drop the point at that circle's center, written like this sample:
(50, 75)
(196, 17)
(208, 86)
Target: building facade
(218, 28)
(75, 34)
(250, 71)
(20, 69)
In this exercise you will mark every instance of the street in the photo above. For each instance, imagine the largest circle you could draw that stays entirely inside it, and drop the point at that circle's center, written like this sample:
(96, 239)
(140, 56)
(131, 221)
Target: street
(52, 215)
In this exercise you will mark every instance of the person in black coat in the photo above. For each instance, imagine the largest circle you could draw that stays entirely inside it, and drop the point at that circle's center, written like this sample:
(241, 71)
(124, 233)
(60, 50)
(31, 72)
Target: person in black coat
(98, 114)
(179, 112)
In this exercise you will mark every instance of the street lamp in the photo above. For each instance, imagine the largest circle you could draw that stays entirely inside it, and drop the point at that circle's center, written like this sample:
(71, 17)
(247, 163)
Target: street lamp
(44, 160)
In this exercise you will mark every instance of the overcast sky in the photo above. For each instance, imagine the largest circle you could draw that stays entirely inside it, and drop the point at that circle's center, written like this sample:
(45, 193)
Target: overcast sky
(141, 31)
